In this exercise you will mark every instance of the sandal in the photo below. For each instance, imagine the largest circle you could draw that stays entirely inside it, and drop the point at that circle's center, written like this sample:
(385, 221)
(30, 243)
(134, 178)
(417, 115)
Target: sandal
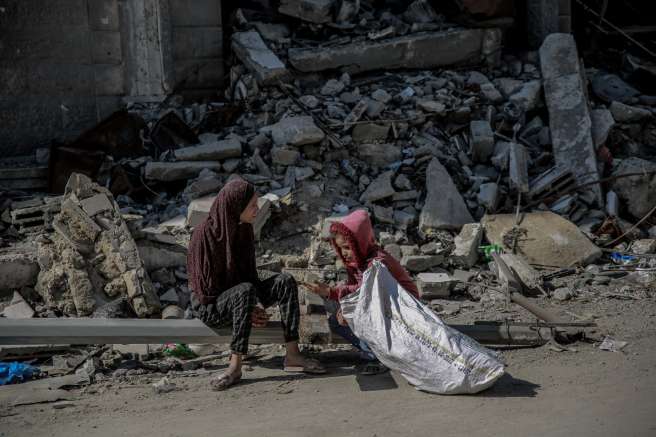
(311, 366)
(375, 368)
(224, 381)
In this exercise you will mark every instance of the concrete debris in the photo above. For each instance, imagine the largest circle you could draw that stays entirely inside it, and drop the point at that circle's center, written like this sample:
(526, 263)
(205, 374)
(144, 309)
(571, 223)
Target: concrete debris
(379, 155)
(488, 196)
(467, 242)
(210, 151)
(482, 140)
(92, 259)
(518, 167)
(18, 267)
(380, 188)
(370, 132)
(18, 308)
(644, 246)
(444, 207)
(312, 11)
(285, 156)
(562, 294)
(529, 95)
(421, 263)
(295, 131)
(418, 51)
(571, 127)
(602, 124)
(178, 171)
(435, 285)
(258, 58)
(629, 114)
(637, 191)
(542, 238)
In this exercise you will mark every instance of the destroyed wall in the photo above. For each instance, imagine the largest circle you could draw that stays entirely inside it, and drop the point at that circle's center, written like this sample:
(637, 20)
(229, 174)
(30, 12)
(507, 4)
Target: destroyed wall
(66, 65)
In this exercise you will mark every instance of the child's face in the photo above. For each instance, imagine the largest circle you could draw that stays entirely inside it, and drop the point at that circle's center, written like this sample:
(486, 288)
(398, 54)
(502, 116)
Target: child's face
(344, 248)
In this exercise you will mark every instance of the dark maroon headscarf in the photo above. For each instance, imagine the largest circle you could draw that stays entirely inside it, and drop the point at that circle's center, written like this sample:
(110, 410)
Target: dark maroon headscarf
(222, 250)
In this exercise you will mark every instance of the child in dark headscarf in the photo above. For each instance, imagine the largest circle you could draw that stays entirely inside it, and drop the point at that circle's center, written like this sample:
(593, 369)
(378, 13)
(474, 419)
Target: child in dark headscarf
(225, 284)
(354, 242)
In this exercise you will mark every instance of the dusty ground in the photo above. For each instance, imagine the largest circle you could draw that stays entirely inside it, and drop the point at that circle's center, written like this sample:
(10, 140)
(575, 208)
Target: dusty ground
(546, 393)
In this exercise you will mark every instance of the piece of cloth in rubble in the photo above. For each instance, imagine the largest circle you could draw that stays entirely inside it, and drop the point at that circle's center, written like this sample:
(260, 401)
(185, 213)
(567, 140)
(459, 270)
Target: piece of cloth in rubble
(358, 233)
(222, 249)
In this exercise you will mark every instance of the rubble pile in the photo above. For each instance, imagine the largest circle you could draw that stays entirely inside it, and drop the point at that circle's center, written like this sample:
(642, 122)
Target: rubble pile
(423, 123)
(91, 257)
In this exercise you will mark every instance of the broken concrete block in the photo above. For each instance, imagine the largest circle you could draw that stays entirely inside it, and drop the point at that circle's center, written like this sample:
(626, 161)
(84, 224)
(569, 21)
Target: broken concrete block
(488, 196)
(18, 267)
(285, 156)
(628, 114)
(403, 219)
(312, 11)
(421, 263)
(370, 132)
(212, 151)
(432, 107)
(490, 93)
(482, 140)
(96, 204)
(639, 192)
(529, 96)
(467, 243)
(199, 209)
(384, 215)
(379, 155)
(444, 207)
(425, 50)
(527, 275)
(333, 87)
(18, 308)
(177, 171)
(546, 239)
(258, 58)
(501, 156)
(518, 167)
(172, 312)
(644, 246)
(295, 131)
(571, 127)
(435, 285)
(157, 256)
(602, 124)
(379, 189)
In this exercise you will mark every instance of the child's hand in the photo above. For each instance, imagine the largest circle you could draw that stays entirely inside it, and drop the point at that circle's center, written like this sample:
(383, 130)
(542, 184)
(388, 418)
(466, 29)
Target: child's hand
(340, 318)
(319, 288)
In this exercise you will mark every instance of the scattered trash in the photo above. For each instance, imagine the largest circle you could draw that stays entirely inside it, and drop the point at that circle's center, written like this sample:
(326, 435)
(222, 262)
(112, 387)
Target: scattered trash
(15, 372)
(178, 350)
(612, 345)
(164, 386)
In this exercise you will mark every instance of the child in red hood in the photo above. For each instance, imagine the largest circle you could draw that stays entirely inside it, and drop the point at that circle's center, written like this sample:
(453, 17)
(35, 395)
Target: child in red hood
(354, 242)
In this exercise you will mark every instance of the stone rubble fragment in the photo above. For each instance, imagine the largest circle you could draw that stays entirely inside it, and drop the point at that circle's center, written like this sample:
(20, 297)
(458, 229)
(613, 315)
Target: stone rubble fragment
(571, 127)
(254, 53)
(444, 207)
(467, 242)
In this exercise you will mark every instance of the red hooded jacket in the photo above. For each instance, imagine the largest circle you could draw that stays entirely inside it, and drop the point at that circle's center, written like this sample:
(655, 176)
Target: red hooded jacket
(357, 231)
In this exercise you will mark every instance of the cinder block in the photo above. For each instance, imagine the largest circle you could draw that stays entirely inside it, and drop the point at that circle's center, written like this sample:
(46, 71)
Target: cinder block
(110, 80)
(195, 12)
(106, 48)
(197, 42)
(103, 15)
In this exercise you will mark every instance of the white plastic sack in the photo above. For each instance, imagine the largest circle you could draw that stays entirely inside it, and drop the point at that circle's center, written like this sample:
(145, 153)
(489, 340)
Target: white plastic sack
(408, 337)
